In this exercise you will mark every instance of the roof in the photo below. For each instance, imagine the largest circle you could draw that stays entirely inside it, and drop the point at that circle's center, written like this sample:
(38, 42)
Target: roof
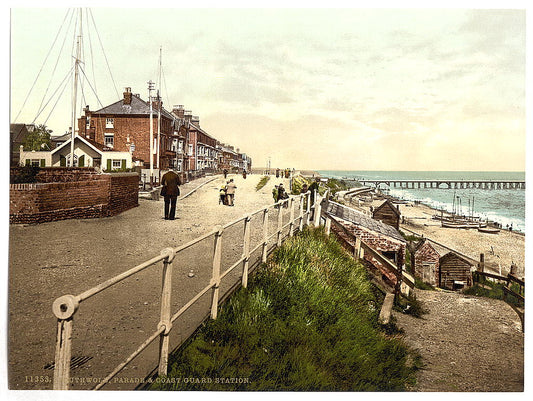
(137, 106)
(362, 220)
(61, 138)
(94, 145)
(391, 206)
(18, 132)
(422, 242)
(453, 254)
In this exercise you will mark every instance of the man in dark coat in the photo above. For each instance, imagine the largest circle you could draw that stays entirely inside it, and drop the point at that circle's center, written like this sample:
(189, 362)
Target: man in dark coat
(170, 191)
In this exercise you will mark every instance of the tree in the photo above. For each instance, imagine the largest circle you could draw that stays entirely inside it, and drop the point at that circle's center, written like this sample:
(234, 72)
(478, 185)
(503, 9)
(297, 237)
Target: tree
(38, 139)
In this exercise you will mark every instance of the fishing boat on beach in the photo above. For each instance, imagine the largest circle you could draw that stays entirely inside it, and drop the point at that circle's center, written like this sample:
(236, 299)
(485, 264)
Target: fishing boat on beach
(488, 230)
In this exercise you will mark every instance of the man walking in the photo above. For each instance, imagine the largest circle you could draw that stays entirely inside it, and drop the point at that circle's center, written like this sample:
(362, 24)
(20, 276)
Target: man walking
(230, 192)
(170, 191)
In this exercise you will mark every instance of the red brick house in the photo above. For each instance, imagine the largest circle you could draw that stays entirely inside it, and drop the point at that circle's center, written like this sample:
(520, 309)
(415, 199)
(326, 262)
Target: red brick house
(124, 126)
(425, 262)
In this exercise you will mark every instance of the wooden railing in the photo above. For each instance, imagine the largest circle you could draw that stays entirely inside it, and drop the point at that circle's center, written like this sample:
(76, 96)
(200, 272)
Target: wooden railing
(65, 307)
(405, 283)
(508, 291)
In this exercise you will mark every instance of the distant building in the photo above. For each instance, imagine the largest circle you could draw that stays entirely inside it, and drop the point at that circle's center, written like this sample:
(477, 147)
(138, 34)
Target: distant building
(17, 136)
(388, 213)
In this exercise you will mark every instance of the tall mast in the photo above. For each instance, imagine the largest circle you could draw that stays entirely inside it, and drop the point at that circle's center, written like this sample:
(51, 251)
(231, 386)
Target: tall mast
(150, 88)
(75, 93)
(159, 110)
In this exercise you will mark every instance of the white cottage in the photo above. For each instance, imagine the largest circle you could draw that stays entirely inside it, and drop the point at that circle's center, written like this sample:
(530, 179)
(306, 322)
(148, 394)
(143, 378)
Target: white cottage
(87, 153)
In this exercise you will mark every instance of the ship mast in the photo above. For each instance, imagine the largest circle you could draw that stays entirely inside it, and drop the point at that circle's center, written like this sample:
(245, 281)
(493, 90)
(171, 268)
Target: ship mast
(159, 111)
(75, 93)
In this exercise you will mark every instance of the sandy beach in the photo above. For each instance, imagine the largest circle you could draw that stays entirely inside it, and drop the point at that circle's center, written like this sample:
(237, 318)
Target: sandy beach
(500, 250)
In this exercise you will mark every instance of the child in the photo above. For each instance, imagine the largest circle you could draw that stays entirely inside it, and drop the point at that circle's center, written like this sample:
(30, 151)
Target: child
(222, 195)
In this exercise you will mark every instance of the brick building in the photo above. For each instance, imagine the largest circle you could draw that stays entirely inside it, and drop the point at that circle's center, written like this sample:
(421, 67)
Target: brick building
(425, 262)
(124, 126)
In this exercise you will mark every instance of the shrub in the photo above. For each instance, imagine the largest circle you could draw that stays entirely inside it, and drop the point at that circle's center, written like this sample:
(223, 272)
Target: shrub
(262, 182)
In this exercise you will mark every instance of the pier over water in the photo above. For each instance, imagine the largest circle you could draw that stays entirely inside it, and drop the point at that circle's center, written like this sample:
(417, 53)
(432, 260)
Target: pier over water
(447, 184)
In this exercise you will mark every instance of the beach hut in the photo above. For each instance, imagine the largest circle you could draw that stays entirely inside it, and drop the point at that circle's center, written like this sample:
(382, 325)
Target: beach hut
(455, 272)
(425, 262)
(388, 214)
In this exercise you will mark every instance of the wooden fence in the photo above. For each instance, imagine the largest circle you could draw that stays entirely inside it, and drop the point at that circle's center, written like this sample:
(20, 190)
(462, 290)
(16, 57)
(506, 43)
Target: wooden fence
(299, 210)
(519, 302)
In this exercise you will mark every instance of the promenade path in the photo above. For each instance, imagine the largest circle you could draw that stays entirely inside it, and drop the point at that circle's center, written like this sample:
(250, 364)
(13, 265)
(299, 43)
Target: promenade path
(68, 257)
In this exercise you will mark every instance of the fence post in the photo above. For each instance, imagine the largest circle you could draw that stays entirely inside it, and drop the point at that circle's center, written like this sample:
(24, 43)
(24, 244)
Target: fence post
(215, 280)
(318, 211)
(481, 265)
(166, 291)
(308, 210)
(64, 308)
(280, 223)
(291, 214)
(301, 213)
(357, 249)
(328, 225)
(265, 236)
(246, 251)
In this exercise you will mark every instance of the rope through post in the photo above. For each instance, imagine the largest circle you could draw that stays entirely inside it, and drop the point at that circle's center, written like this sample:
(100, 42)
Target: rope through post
(215, 280)
(166, 291)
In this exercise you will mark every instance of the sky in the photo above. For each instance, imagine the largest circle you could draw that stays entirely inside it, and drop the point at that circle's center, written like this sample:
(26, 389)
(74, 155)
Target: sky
(309, 88)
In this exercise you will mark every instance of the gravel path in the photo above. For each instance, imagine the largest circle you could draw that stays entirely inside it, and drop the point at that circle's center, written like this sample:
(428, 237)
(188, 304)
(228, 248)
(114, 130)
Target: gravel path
(71, 256)
(467, 343)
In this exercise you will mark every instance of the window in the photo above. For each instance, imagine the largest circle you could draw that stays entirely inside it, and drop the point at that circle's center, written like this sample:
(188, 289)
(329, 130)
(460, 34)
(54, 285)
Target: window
(110, 122)
(180, 162)
(88, 123)
(116, 164)
(35, 162)
(190, 149)
(180, 146)
(109, 140)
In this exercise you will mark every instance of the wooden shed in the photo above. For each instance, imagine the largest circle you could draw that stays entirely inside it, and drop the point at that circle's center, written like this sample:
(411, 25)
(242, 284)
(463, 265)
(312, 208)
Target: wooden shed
(455, 272)
(425, 262)
(388, 214)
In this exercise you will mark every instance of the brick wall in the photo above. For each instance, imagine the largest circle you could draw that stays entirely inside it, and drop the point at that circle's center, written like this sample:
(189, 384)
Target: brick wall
(99, 195)
(426, 262)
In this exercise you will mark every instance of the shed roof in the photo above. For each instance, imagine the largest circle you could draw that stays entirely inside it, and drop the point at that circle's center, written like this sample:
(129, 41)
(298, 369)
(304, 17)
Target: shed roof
(454, 255)
(389, 204)
(360, 219)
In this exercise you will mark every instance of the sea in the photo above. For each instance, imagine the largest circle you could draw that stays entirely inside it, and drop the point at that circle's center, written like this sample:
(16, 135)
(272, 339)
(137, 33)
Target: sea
(504, 206)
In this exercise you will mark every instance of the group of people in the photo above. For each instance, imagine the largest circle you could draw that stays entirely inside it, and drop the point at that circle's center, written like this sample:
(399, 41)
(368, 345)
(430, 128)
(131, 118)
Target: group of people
(283, 173)
(279, 193)
(227, 193)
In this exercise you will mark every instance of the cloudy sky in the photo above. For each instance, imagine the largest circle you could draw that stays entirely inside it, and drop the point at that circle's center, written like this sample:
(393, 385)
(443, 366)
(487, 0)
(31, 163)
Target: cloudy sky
(345, 89)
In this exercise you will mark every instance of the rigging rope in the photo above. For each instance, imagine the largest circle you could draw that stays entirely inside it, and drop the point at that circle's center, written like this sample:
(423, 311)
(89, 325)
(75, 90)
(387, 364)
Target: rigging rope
(59, 97)
(51, 97)
(105, 56)
(42, 66)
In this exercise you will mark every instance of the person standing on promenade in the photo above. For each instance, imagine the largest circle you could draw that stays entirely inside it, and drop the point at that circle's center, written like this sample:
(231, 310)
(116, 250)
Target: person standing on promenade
(225, 173)
(230, 192)
(170, 191)
(222, 195)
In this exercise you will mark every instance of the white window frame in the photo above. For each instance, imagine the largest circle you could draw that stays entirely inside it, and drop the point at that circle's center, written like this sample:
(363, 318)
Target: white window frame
(110, 122)
(190, 150)
(116, 164)
(109, 139)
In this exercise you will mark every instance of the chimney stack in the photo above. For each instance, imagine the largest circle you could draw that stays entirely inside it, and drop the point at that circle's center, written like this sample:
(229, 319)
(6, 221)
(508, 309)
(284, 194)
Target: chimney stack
(127, 96)
(179, 111)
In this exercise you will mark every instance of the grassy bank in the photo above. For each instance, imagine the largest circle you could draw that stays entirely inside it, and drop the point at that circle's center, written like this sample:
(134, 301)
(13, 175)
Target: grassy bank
(306, 322)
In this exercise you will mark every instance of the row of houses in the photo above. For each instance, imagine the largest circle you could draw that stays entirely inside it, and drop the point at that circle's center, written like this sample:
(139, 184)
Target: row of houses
(118, 136)
(381, 232)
